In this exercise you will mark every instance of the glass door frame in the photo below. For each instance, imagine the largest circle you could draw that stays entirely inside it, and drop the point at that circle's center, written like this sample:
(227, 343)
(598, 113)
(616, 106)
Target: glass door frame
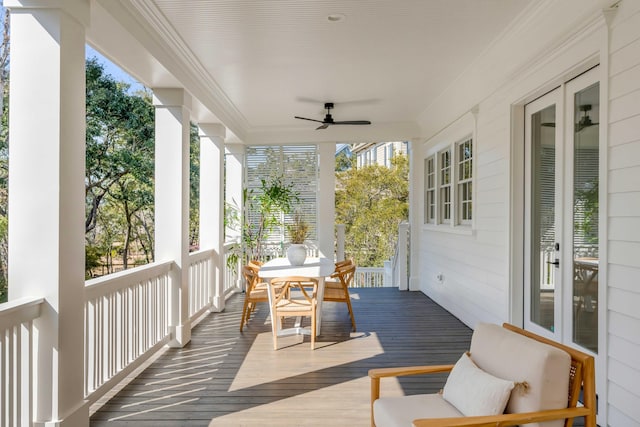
(572, 87)
(552, 98)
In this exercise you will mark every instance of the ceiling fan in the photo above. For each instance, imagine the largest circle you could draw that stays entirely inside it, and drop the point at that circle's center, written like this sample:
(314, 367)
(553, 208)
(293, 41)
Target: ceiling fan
(584, 122)
(328, 119)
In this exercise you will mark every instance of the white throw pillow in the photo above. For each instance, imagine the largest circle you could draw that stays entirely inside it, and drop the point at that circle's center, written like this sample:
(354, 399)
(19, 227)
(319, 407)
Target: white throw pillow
(474, 392)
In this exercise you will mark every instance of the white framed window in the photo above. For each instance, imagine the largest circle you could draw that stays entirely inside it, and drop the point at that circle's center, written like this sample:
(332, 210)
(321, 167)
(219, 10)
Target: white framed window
(444, 186)
(464, 160)
(448, 186)
(430, 190)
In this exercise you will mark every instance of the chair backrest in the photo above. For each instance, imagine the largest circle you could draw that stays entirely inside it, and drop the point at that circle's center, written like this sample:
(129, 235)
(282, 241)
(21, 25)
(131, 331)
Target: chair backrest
(254, 263)
(281, 286)
(344, 262)
(345, 274)
(250, 275)
(554, 373)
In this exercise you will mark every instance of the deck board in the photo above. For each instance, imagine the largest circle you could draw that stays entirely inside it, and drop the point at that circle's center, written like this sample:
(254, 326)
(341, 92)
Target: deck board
(225, 378)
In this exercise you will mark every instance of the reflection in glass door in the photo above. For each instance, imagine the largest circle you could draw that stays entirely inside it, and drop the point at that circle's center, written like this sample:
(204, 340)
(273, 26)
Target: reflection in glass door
(586, 155)
(543, 217)
(562, 166)
(543, 160)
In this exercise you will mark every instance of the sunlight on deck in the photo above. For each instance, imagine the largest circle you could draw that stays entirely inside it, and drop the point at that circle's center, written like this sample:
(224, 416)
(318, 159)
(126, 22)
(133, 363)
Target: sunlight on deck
(263, 365)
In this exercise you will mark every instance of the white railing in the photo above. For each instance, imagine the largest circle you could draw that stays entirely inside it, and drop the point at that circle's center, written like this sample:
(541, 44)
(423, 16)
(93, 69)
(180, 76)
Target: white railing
(400, 261)
(201, 281)
(127, 317)
(547, 269)
(368, 277)
(16, 358)
(232, 264)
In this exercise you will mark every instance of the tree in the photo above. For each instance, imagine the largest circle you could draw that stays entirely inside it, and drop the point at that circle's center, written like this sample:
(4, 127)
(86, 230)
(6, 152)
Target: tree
(119, 183)
(4, 153)
(372, 201)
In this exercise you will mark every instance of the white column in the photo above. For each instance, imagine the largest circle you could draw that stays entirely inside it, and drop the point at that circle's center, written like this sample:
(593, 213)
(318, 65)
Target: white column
(234, 182)
(326, 199)
(172, 201)
(212, 203)
(46, 205)
(416, 203)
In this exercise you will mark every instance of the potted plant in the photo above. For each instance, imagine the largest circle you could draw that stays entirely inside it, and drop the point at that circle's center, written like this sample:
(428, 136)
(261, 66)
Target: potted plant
(298, 231)
(274, 199)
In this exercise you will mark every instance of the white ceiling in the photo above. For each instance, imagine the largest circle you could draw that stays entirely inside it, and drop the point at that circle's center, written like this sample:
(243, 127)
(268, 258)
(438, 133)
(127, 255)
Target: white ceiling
(254, 64)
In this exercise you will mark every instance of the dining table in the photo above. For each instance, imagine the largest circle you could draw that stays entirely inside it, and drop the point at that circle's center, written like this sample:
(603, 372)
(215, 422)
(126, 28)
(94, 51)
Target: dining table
(315, 267)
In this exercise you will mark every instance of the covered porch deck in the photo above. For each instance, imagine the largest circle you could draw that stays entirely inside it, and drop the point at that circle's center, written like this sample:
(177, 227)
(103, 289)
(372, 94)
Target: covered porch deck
(227, 378)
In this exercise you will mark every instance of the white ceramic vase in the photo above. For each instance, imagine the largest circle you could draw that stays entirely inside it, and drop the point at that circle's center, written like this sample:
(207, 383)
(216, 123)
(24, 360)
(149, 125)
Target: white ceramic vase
(297, 253)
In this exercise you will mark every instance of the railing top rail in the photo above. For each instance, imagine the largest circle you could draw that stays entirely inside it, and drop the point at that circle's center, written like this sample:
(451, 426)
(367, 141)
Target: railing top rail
(19, 311)
(105, 285)
(200, 255)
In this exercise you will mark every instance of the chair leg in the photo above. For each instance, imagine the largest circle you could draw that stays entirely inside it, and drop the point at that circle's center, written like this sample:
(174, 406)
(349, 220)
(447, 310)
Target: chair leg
(353, 319)
(313, 329)
(244, 313)
(274, 330)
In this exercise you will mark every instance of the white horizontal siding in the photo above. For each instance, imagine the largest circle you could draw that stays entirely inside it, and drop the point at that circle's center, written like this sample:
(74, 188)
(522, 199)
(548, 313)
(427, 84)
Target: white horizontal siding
(624, 218)
(625, 155)
(475, 266)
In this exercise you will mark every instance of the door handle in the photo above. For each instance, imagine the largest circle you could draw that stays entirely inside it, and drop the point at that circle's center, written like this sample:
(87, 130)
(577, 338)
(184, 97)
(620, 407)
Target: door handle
(556, 262)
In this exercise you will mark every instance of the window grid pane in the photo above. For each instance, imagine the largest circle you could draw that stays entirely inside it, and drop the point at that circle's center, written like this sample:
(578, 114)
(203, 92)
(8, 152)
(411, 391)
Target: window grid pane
(465, 175)
(444, 185)
(430, 182)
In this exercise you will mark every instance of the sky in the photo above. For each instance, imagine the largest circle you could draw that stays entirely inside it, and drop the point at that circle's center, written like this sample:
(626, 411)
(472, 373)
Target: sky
(116, 72)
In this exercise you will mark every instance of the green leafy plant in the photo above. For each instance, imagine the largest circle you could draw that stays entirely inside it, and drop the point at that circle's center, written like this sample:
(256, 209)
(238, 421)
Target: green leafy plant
(267, 205)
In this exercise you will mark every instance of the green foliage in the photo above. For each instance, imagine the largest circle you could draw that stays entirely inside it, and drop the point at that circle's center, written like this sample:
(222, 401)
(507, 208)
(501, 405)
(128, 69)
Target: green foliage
(194, 183)
(371, 202)
(274, 198)
(119, 185)
(343, 162)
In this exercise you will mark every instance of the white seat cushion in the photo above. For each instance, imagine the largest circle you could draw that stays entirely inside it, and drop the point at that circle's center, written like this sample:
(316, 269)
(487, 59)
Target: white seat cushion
(511, 356)
(401, 411)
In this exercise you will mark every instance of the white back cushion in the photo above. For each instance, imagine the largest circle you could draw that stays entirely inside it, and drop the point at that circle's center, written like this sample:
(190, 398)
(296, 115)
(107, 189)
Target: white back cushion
(475, 392)
(508, 355)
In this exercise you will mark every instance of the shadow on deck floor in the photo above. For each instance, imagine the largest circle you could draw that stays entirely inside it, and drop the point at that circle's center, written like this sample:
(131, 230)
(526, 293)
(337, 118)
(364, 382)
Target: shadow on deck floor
(227, 378)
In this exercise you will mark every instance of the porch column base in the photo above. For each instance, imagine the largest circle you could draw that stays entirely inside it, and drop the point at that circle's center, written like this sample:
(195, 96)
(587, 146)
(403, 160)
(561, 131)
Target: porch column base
(181, 335)
(78, 418)
(217, 305)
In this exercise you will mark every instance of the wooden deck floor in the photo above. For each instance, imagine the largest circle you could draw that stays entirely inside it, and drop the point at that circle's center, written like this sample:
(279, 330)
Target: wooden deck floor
(225, 378)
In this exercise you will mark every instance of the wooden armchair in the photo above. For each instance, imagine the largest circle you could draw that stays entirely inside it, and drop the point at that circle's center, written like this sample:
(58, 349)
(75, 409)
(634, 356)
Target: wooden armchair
(336, 289)
(293, 296)
(255, 292)
(487, 349)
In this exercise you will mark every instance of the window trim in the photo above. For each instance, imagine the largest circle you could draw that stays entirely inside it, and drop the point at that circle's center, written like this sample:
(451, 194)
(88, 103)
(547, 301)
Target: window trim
(455, 223)
(460, 181)
(430, 212)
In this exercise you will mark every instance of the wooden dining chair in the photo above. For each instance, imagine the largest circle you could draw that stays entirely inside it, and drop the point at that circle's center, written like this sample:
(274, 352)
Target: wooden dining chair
(291, 297)
(256, 291)
(336, 289)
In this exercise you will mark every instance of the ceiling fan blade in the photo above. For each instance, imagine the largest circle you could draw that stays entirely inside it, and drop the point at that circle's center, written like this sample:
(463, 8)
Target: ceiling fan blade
(353, 122)
(311, 120)
(323, 126)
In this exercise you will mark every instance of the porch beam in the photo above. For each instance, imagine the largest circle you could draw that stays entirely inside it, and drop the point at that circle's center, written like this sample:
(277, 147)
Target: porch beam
(172, 126)
(46, 198)
(212, 203)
